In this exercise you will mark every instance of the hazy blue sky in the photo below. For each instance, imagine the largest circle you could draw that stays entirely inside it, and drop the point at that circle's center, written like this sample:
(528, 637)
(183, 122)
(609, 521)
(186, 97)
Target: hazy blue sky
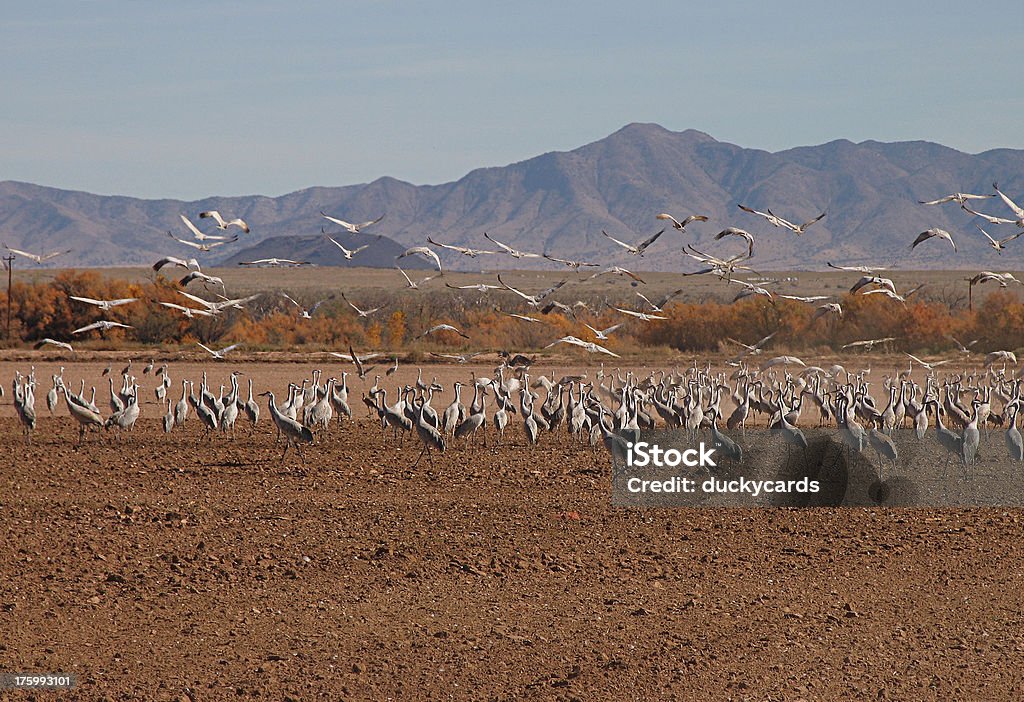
(194, 98)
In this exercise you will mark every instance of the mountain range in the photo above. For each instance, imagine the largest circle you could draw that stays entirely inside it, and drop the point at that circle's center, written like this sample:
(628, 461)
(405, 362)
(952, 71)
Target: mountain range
(560, 202)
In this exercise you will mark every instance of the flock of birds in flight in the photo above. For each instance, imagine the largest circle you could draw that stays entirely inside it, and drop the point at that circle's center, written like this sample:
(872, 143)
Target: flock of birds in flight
(610, 408)
(729, 269)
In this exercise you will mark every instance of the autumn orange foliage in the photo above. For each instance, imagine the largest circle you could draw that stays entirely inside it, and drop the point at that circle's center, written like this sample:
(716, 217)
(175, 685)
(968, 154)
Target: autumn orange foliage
(44, 309)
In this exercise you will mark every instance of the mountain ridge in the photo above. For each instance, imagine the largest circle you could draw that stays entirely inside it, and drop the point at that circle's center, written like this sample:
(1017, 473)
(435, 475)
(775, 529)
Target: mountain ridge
(560, 201)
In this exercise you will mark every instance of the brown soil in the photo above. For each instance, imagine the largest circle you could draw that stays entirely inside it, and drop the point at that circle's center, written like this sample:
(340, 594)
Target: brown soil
(177, 568)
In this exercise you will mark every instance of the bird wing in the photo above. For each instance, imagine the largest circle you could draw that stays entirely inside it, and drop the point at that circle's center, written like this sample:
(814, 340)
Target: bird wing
(937, 202)
(366, 224)
(923, 236)
(406, 276)
(214, 214)
(290, 299)
(643, 246)
(339, 222)
(1009, 203)
(634, 276)
(169, 260)
(226, 349)
(193, 244)
(206, 348)
(332, 240)
(495, 241)
(53, 254)
(990, 239)
(195, 231)
(88, 327)
(751, 210)
(88, 300)
(26, 254)
(666, 216)
(810, 222)
(628, 247)
(988, 218)
(553, 288)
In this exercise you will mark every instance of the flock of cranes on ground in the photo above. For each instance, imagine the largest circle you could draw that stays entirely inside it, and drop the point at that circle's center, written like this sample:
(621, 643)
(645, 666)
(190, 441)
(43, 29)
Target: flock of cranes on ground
(610, 408)
(613, 408)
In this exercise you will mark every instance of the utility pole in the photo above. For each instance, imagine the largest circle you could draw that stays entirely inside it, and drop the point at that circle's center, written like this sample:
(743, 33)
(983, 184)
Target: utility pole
(9, 263)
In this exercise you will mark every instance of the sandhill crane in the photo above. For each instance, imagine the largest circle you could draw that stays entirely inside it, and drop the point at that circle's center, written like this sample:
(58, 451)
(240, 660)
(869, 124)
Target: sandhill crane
(514, 253)
(616, 270)
(680, 225)
(410, 283)
(221, 223)
(1014, 445)
(190, 264)
(102, 325)
(639, 249)
(125, 419)
(589, 346)
(295, 434)
(207, 280)
(455, 413)
(971, 438)
(932, 233)
(347, 253)
(461, 358)
(169, 418)
(422, 251)
(430, 437)
(303, 312)
(348, 226)
(602, 334)
(884, 448)
(442, 327)
(252, 409)
(189, 312)
(181, 408)
(275, 262)
(575, 265)
(361, 312)
(722, 443)
(740, 233)
(203, 245)
(85, 417)
(657, 306)
(51, 396)
(24, 404)
(38, 258)
(219, 355)
(105, 305)
(959, 198)
(53, 342)
(465, 251)
(999, 244)
(477, 420)
(200, 236)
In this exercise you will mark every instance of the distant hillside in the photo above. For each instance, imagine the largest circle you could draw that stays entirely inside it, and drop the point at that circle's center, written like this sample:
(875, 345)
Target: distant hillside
(317, 249)
(559, 202)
